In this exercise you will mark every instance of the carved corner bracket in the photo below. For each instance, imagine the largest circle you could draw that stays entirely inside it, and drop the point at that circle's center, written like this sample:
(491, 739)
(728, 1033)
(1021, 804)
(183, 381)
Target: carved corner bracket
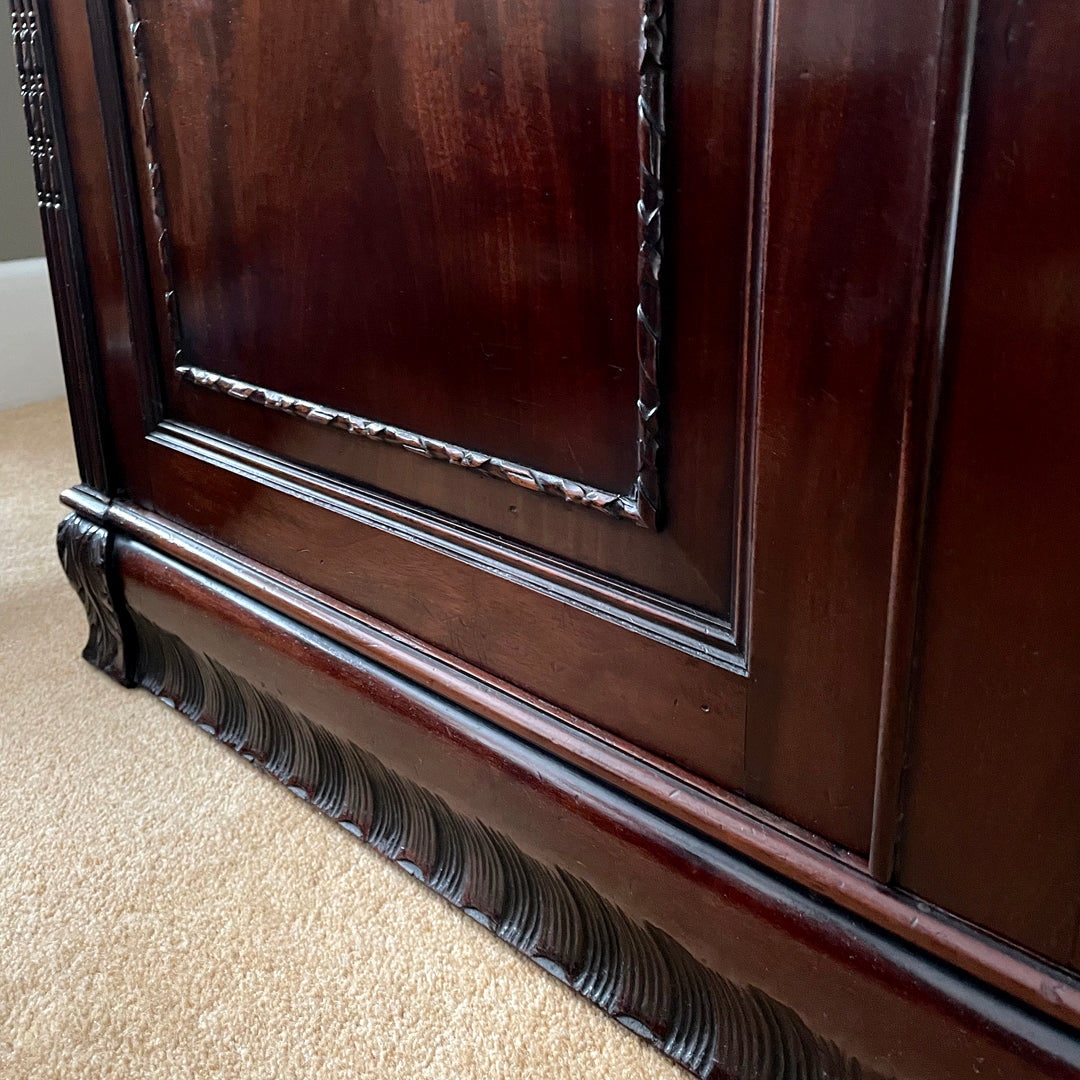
(642, 504)
(84, 552)
(711, 1025)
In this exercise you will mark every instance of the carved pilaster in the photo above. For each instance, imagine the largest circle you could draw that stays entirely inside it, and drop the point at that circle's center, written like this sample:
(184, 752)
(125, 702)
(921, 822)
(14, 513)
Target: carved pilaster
(83, 548)
(26, 38)
(36, 62)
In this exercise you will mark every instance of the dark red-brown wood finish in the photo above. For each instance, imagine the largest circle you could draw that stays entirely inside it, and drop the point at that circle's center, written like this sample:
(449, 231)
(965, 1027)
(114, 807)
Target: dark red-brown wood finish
(993, 793)
(676, 395)
(618, 590)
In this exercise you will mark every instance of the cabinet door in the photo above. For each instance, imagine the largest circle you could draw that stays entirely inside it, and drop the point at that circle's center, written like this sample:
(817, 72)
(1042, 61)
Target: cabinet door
(575, 340)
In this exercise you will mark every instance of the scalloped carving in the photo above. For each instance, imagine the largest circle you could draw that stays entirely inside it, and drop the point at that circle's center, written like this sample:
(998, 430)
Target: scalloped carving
(712, 1026)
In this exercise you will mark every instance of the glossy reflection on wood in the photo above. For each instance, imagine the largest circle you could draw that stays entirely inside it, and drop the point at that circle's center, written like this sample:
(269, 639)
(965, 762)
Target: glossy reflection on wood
(505, 213)
(438, 208)
(993, 809)
(799, 275)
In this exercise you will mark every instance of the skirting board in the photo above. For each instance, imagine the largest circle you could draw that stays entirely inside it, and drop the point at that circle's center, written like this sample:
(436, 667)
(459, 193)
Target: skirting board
(730, 970)
(30, 367)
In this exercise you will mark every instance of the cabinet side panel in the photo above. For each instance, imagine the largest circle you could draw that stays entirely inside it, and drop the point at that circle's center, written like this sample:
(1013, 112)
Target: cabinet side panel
(994, 783)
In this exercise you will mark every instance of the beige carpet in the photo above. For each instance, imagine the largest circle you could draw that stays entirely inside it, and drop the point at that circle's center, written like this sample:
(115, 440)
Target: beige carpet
(167, 911)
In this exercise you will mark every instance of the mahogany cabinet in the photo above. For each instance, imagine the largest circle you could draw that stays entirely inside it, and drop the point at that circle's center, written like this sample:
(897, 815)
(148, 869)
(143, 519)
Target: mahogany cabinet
(619, 458)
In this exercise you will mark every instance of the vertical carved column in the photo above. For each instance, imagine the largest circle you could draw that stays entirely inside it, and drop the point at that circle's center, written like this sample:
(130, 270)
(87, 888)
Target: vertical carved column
(84, 549)
(26, 37)
(32, 39)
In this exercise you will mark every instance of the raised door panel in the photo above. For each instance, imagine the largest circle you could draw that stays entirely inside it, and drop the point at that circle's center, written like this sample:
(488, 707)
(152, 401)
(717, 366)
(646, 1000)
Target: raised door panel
(437, 235)
(450, 249)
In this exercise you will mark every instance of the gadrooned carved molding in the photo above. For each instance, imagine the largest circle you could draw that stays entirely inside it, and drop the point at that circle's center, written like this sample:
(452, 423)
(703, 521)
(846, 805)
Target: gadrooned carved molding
(635, 972)
(642, 504)
(83, 548)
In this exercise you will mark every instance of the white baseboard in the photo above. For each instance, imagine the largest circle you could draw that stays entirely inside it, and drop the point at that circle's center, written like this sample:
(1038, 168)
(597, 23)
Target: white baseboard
(29, 350)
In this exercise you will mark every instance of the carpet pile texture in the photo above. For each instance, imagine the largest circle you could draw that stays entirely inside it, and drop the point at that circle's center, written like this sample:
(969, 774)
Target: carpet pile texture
(168, 911)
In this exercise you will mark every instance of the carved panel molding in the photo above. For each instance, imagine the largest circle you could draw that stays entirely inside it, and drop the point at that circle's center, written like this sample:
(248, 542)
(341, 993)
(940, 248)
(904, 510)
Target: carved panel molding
(162, 241)
(642, 503)
(619, 506)
(711, 1025)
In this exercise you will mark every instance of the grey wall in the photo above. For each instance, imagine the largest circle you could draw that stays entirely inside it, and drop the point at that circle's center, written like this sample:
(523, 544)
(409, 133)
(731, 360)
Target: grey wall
(20, 226)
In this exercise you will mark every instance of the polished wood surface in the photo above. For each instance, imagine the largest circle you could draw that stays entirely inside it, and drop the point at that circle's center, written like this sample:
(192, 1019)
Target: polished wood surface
(992, 815)
(831, 996)
(366, 315)
(816, 684)
(852, 143)
(457, 239)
